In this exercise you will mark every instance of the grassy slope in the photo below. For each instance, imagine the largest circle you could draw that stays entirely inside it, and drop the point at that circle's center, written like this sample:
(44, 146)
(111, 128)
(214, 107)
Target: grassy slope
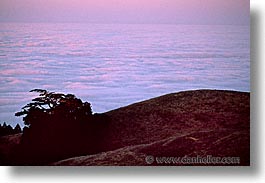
(202, 122)
(7, 145)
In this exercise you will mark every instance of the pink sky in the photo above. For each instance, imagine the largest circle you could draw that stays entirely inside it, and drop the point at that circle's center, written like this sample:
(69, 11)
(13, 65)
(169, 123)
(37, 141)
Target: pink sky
(127, 11)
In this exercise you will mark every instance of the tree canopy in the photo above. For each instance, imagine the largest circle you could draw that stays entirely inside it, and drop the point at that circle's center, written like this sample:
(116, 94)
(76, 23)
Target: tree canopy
(51, 103)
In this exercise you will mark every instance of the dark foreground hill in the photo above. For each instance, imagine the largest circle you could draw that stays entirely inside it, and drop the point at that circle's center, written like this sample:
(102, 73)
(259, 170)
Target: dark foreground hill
(201, 123)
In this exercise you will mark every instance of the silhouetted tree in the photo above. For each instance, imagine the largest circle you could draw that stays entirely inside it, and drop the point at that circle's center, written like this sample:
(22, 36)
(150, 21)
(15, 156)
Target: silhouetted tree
(8, 130)
(17, 129)
(59, 125)
(50, 103)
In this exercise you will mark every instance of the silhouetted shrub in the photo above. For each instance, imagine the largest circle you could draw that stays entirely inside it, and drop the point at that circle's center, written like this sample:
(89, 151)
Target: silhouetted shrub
(59, 126)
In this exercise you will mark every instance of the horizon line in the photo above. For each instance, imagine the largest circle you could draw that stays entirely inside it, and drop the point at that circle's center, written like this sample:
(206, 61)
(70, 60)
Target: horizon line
(119, 23)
